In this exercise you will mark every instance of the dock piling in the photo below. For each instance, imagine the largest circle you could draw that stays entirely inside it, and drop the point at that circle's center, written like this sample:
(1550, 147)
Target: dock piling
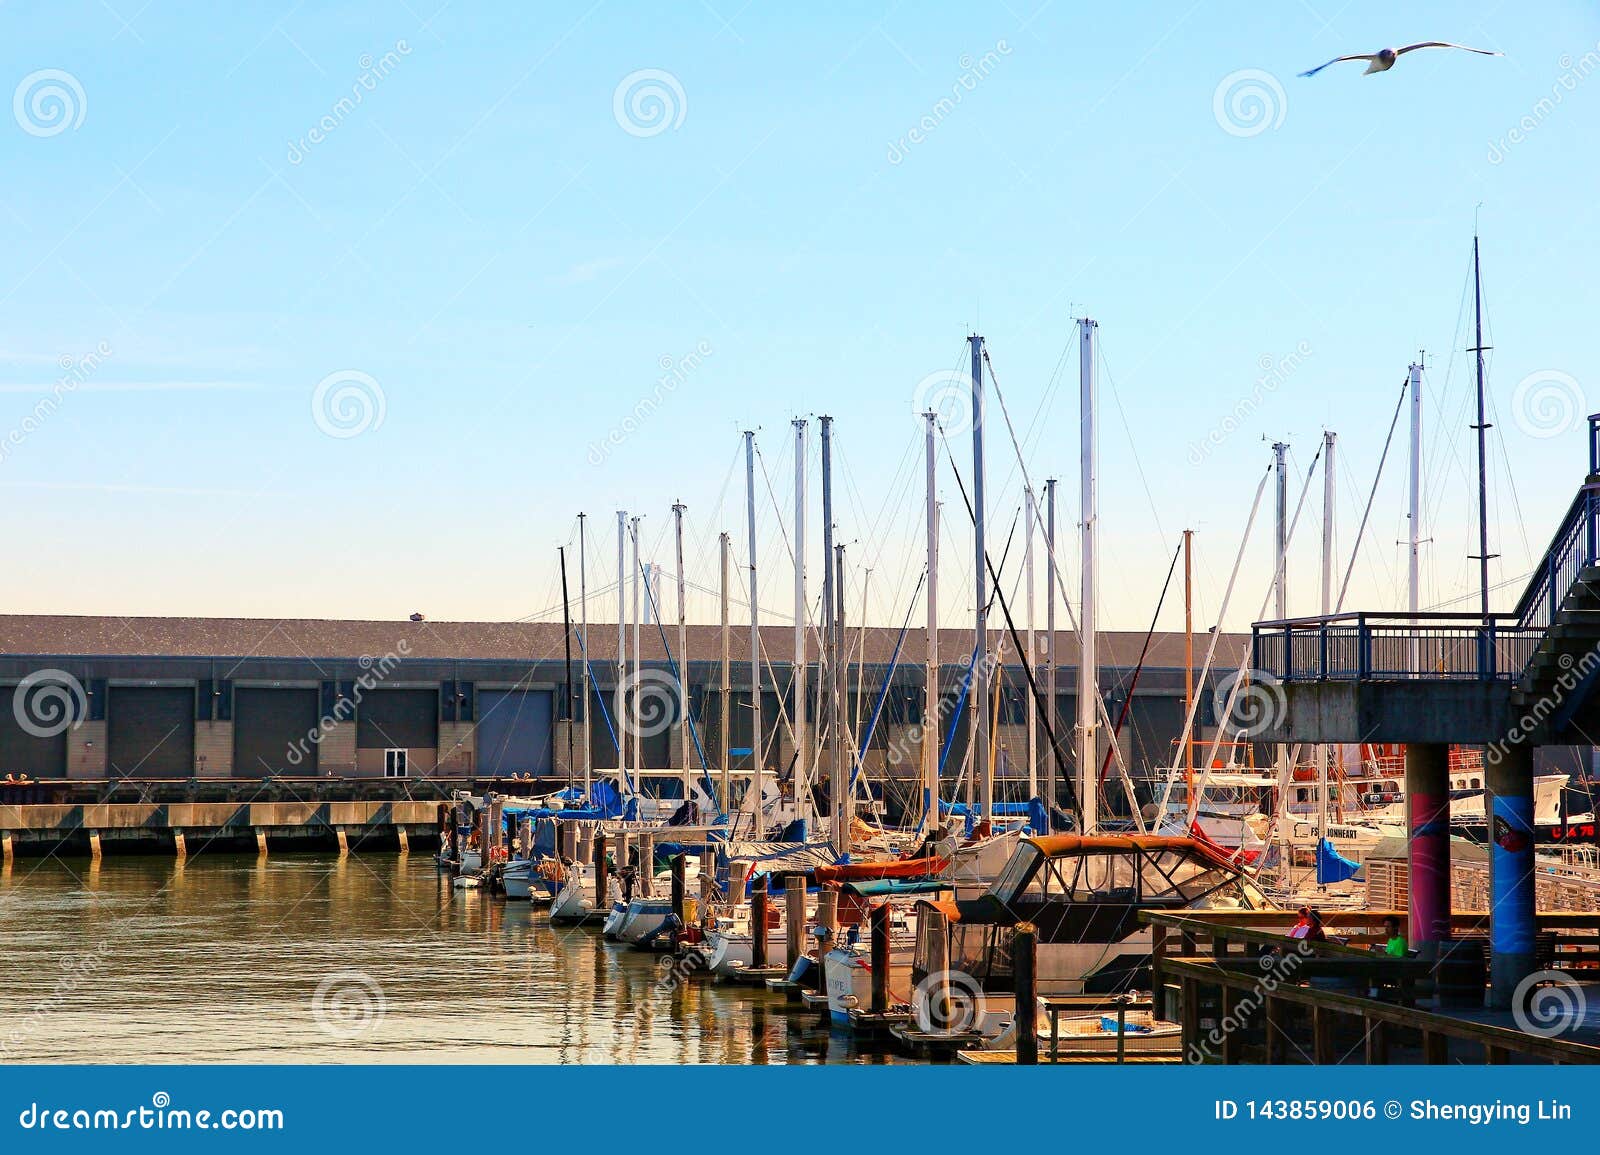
(1024, 940)
(794, 916)
(600, 865)
(880, 958)
(758, 925)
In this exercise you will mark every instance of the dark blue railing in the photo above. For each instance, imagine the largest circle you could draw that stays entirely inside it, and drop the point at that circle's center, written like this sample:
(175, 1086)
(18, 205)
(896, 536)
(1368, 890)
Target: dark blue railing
(1572, 550)
(1389, 647)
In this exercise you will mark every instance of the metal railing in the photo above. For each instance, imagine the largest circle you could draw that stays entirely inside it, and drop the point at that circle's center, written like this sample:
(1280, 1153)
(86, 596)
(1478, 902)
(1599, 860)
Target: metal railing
(1390, 647)
(1572, 550)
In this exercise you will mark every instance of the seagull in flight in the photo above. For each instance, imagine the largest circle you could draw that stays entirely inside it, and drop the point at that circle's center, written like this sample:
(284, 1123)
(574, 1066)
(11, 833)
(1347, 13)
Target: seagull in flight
(1383, 61)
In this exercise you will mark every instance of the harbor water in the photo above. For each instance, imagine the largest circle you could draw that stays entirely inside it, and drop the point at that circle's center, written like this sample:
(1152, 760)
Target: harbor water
(362, 958)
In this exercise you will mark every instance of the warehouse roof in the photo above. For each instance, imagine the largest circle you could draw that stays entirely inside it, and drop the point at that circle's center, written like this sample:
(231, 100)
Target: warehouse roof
(74, 635)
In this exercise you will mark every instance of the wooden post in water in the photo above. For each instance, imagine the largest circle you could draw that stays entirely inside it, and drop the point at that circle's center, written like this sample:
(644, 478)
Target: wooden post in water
(679, 875)
(600, 870)
(1024, 968)
(647, 864)
(180, 847)
(794, 920)
(880, 958)
(94, 845)
(401, 837)
(935, 1013)
(758, 925)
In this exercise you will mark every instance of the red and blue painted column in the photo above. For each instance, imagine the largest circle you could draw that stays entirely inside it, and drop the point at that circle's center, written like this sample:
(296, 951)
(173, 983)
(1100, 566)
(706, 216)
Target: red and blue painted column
(1513, 921)
(1428, 816)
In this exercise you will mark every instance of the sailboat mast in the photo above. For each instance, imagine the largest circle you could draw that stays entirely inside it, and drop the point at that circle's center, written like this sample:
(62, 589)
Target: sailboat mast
(583, 644)
(802, 743)
(1088, 667)
(635, 748)
(620, 708)
(685, 739)
(725, 553)
(1188, 661)
(845, 806)
(1054, 718)
(755, 636)
(1028, 516)
(982, 769)
(930, 677)
(1280, 541)
(1330, 441)
(1414, 505)
(566, 639)
(838, 777)
(1482, 427)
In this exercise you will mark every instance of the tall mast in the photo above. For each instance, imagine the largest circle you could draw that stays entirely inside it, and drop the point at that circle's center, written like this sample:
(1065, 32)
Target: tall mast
(583, 644)
(635, 746)
(1280, 546)
(1478, 349)
(725, 551)
(930, 677)
(982, 769)
(620, 710)
(1028, 516)
(845, 806)
(566, 639)
(802, 744)
(838, 777)
(1329, 504)
(1088, 667)
(1053, 714)
(1188, 661)
(1414, 506)
(755, 636)
(685, 739)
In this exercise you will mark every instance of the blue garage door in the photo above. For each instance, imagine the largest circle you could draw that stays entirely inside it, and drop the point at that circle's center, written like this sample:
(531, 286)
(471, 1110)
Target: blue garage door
(514, 732)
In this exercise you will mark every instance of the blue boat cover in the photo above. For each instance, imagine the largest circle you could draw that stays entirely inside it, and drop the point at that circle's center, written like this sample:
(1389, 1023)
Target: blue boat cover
(1333, 866)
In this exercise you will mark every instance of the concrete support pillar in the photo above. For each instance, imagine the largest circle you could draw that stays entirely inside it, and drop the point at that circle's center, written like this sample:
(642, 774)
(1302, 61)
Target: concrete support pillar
(1428, 815)
(1512, 917)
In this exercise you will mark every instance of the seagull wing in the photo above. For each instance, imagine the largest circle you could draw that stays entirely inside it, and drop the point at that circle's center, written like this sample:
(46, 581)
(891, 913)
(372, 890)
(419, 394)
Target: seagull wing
(1444, 44)
(1338, 60)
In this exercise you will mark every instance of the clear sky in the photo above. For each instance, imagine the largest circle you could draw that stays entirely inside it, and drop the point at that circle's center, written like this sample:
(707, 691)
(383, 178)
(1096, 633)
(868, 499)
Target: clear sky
(483, 230)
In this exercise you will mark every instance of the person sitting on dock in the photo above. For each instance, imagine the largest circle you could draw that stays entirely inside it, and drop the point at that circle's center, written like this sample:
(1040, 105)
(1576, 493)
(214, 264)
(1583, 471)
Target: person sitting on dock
(1395, 946)
(1309, 926)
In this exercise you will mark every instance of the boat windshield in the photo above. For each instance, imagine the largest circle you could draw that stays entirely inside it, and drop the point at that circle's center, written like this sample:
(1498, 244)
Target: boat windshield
(1169, 875)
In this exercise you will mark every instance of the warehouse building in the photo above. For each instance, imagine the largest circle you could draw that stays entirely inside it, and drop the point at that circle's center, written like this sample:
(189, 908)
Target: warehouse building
(212, 701)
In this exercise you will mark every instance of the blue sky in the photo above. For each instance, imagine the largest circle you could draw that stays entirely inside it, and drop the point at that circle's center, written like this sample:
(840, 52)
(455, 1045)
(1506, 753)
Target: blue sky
(507, 251)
